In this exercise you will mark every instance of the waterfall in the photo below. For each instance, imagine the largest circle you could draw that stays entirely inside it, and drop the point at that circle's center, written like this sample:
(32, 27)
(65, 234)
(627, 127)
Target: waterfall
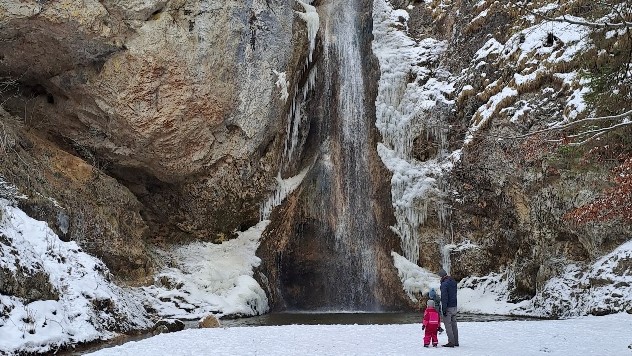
(349, 206)
(342, 202)
(328, 248)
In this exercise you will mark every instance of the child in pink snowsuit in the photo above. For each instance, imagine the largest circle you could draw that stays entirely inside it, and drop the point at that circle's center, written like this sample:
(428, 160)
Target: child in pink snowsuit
(431, 324)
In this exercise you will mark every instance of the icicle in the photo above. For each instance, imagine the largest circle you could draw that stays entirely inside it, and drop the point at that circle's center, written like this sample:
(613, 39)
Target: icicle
(310, 16)
(445, 257)
(294, 118)
(406, 110)
(292, 130)
(283, 189)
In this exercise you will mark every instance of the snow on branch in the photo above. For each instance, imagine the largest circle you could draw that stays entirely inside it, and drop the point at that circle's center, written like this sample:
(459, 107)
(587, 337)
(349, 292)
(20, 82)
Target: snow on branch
(585, 136)
(579, 21)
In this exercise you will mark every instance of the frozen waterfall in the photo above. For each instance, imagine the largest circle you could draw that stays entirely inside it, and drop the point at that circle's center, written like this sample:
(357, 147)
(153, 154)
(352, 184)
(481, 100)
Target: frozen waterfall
(408, 106)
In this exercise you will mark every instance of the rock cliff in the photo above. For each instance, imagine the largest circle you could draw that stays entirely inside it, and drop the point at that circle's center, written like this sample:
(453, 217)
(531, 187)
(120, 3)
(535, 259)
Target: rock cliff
(498, 171)
(174, 103)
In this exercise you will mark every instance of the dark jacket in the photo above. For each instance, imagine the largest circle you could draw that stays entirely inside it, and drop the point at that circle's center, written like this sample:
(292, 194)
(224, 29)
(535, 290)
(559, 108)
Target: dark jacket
(435, 297)
(448, 293)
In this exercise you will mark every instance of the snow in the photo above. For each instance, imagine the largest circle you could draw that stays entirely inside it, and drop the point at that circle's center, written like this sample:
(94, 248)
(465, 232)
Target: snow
(486, 111)
(211, 278)
(531, 41)
(492, 46)
(282, 84)
(608, 335)
(486, 295)
(82, 282)
(480, 16)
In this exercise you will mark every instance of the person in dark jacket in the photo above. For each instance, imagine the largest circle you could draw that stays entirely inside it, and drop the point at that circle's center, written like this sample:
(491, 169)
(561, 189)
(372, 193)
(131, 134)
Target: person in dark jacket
(448, 308)
(432, 294)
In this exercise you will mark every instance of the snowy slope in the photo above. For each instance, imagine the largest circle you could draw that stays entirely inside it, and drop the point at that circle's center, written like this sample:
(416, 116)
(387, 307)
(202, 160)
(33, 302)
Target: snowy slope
(89, 303)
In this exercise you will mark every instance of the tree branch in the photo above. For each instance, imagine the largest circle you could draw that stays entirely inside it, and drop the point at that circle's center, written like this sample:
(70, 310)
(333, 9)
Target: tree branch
(575, 123)
(565, 19)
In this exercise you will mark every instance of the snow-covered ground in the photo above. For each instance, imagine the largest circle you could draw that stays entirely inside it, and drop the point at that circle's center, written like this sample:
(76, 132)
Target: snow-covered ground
(607, 335)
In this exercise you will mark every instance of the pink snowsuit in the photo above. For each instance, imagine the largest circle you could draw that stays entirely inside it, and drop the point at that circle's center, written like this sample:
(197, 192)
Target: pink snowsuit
(431, 322)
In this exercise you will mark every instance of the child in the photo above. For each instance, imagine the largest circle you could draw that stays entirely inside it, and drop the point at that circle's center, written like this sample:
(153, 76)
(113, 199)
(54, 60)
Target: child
(430, 324)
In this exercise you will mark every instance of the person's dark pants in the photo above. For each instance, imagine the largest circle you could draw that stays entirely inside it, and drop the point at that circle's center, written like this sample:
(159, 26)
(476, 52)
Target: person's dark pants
(449, 320)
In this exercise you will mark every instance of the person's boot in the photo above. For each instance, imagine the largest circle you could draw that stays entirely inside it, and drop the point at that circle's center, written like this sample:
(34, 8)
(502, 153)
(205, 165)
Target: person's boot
(449, 344)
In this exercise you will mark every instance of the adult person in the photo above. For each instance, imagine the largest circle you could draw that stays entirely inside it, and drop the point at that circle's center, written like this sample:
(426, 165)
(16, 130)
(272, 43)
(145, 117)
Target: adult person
(432, 294)
(448, 307)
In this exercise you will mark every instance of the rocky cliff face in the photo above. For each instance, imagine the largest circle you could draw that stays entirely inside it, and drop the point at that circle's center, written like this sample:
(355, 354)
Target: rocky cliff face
(504, 74)
(176, 100)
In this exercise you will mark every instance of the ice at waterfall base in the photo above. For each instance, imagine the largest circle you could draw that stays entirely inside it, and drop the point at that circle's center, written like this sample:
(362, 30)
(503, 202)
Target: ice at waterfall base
(606, 335)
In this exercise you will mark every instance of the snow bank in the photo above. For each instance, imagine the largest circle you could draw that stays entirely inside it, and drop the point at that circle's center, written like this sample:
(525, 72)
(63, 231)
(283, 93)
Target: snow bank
(600, 288)
(604, 287)
(203, 277)
(89, 304)
(197, 279)
(486, 295)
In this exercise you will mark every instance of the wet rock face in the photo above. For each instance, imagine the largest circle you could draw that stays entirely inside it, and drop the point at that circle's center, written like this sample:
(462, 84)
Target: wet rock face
(315, 256)
(174, 99)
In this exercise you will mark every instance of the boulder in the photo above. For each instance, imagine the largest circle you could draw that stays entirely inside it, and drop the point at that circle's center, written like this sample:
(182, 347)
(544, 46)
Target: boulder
(172, 325)
(209, 321)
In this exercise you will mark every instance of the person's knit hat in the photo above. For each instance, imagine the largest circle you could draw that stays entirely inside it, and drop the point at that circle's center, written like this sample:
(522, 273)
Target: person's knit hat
(442, 273)
(430, 303)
